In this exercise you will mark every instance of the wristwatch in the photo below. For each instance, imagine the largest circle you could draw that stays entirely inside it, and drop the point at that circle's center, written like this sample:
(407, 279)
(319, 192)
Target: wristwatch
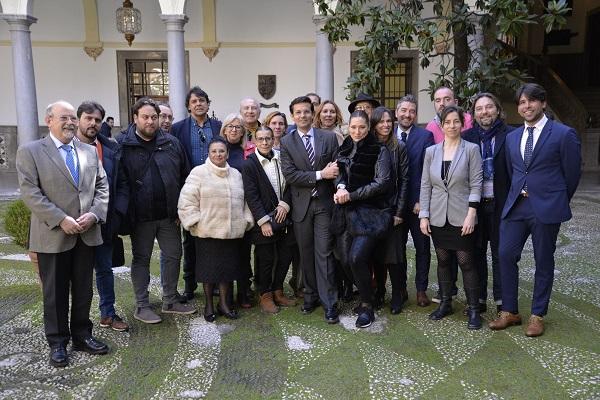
(341, 186)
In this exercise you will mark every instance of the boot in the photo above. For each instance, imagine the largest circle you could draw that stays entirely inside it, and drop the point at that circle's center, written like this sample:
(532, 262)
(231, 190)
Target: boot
(473, 309)
(445, 307)
(267, 305)
(281, 299)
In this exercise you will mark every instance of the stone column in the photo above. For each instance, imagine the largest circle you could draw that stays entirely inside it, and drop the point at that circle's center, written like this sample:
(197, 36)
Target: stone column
(324, 61)
(25, 95)
(176, 56)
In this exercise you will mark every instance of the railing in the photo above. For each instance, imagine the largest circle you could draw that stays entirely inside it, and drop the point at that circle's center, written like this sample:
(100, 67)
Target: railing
(566, 106)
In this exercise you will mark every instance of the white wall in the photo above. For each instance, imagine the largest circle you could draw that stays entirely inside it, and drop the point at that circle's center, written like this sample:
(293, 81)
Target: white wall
(64, 71)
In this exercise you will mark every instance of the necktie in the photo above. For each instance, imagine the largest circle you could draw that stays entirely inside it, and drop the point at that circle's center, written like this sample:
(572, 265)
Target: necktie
(71, 165)
(528, 151)
(311, 157)
(403, 135)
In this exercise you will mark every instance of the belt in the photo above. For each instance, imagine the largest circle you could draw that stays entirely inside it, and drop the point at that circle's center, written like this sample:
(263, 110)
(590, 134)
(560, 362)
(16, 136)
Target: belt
(524, 195)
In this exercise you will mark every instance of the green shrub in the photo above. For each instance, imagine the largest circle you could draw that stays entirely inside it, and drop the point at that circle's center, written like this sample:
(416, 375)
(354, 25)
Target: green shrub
(16, 222)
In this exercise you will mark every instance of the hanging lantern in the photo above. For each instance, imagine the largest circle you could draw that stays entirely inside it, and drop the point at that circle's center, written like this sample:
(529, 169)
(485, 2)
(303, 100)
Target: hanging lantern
(129, 21)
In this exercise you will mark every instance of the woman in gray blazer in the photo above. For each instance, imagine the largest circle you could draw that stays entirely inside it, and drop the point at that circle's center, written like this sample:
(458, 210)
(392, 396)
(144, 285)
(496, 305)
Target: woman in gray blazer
(450, 195)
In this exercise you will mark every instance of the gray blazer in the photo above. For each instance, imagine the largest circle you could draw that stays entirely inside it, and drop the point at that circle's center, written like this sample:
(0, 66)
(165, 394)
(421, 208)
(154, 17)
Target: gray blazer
(301, 176)
(440, 202)
(49, 191)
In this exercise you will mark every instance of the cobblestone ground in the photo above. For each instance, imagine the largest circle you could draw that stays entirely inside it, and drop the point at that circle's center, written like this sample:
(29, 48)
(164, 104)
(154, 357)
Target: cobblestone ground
(292, 356)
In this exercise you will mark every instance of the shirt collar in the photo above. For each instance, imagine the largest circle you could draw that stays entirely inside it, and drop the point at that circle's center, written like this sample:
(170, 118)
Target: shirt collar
(400, 130)
(262, 159)
(58, 143)
(310, 132)
(540, 124)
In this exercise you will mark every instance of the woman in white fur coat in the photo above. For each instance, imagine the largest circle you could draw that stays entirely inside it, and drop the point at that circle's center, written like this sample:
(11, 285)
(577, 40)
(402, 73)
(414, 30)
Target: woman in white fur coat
(212, 208)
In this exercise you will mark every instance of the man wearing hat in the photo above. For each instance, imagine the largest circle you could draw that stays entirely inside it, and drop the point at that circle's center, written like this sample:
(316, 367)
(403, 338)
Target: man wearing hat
(365, 103)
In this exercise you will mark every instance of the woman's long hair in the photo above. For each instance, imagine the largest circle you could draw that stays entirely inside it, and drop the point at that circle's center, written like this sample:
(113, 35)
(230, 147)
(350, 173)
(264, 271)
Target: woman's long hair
(376, 116)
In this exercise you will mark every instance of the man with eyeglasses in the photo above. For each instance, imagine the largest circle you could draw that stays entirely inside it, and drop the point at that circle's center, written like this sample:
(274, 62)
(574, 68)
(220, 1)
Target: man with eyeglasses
(195, 133)
(64, 185)
(153, 169)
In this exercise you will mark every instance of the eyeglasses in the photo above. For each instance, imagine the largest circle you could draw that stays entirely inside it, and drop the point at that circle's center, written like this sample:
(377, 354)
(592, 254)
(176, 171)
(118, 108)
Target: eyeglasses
(263, 139)
(234, 127)
(201, 134)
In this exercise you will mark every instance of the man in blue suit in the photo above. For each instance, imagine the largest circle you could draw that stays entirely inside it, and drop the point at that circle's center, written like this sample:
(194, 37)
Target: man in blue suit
(417, 140)
(194, 133)
(544, 165)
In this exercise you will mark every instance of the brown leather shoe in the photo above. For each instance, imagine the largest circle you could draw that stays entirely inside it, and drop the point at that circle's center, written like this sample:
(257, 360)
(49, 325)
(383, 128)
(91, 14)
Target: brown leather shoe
(422, 299)
(281, 299)
(267, 305)
(116, 323)
(504, 320)
(535, 326)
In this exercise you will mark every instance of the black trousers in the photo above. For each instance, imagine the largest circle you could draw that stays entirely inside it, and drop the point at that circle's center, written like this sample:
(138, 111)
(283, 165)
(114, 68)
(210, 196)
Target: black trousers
(189, 262)
(61, 273)
(361, 253)
(273, 261)
(488, 231)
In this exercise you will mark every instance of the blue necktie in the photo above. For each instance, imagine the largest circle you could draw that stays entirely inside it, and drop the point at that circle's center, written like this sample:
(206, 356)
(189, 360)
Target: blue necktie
(528, 151)
(403, 136)
(71, 165)
(311, 157)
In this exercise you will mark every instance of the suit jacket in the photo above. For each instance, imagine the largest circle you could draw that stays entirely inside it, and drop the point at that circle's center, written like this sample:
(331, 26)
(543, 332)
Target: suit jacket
(301, 176)
(49, 191)
(553, 173)
(440, 202)
(111, 159)
(260, 196)
(181, 130)
(416, 143)
(501, 180)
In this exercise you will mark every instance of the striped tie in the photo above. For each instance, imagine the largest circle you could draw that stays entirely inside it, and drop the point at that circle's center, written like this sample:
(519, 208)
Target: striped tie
(528, 151)
(311, 157)
(70, 161)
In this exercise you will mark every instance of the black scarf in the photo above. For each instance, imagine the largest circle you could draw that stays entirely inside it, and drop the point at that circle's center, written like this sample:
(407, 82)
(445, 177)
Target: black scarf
(486, 142)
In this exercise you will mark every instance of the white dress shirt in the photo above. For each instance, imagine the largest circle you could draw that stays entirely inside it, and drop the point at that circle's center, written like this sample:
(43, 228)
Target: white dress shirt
(536, 134)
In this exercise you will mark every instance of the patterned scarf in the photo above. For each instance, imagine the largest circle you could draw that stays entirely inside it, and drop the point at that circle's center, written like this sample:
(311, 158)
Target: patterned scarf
(487, 153)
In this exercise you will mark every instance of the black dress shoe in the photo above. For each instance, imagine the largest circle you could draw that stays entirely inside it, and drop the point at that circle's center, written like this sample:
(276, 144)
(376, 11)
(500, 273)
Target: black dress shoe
(188, 295)
(59, 357)
(90, 345)
(308, 308)
(232, 314)
(366, 316)
(331, 315)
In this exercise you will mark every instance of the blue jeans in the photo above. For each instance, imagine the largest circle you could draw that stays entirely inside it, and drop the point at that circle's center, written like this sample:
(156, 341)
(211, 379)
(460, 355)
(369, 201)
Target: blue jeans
(105, 281)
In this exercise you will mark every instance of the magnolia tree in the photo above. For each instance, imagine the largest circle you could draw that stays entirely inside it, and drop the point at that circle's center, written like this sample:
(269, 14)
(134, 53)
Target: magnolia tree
(460, 36)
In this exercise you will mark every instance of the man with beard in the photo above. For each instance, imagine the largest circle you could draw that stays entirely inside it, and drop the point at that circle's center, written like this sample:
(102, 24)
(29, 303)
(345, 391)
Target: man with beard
(416, 140)
(165, 119)
(90, 115)
(544, 167)
(489, 132)
(442, 98)
(195, 133)
(64, 185)
(154, 168)
(309, 167)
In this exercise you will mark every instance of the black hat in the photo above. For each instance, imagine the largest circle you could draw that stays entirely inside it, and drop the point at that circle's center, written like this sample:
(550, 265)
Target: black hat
(360, 98)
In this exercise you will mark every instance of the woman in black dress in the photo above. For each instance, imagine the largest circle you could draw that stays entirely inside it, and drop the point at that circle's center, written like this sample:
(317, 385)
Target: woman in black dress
(364, 211)
(212, 207)
(391, 252)
(450, 194)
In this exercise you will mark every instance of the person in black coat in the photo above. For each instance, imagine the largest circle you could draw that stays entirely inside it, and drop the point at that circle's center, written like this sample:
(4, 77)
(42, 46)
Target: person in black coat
(392, 250)
(269, 201)
(365, 209)
(489, 132)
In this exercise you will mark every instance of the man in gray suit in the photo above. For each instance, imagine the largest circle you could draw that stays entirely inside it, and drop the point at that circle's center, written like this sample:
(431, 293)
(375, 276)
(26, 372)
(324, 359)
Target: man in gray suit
(309, 166)
(65, 187)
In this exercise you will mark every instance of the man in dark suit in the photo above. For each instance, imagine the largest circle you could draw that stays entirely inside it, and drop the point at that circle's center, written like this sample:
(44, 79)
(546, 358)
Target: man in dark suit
(489, 132)
(309, 166)
(194, 133)
(64, 185)
(90, 116)
(416, 140)
(544, 166)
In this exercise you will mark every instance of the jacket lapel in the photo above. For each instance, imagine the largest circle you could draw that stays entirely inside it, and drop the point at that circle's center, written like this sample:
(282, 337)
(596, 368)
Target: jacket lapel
(544, 135)
(54, 155)
(301, 149)
(318, 147)
(83, 161)
(457, 156)
(499, 142)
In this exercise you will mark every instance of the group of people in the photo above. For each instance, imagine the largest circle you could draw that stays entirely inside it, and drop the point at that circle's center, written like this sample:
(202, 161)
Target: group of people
(334, 200)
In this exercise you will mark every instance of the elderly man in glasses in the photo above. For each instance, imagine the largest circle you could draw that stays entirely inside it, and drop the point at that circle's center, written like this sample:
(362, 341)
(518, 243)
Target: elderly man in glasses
(153, 170)
(194, 133)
